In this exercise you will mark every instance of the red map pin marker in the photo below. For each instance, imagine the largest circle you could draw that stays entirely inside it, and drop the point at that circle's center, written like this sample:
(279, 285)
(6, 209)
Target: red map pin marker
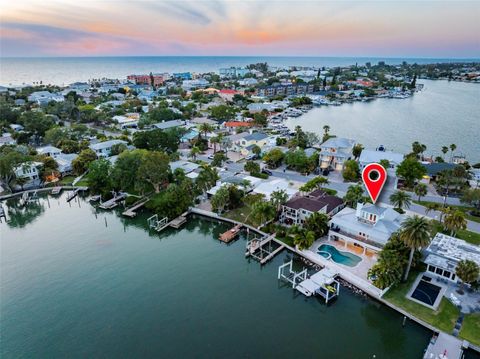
(374, 177)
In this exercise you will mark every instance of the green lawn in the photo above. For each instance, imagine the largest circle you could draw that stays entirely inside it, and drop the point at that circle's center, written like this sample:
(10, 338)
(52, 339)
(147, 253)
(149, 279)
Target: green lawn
(241, 215)
(471, 328)
(66, 181)
(464, 209)
(443, 318)
(83, 182)
(468, 236)
(288, 240)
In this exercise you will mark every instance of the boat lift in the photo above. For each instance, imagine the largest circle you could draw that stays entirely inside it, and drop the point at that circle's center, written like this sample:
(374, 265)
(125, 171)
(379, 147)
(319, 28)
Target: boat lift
(261, 249)
(323, 283)
(156, 224)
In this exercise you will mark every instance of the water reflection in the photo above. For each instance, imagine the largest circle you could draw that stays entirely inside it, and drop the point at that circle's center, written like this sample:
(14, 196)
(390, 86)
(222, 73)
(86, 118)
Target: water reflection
(19, 215)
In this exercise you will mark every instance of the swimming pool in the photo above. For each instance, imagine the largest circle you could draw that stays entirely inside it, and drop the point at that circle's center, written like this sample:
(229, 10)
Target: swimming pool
(345, 258)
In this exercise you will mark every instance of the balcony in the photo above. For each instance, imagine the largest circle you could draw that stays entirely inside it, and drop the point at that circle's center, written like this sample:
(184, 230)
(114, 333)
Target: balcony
(356, 237)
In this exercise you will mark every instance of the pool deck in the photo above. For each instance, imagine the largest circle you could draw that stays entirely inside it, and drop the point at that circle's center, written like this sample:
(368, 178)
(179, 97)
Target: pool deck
(360, 270)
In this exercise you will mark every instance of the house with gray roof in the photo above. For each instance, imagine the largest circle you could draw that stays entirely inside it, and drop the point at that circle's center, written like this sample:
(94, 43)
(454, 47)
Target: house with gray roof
(247, 143)
(104, 149)
(169, 124)
(445, 252)
(50, 151)
(369, 226)
(45, 97)
(334, 152)
(372, 156)
(186, 166)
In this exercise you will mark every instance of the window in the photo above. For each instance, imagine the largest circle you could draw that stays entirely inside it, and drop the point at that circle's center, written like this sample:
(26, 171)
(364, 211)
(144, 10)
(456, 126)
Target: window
(446, 273)
(431, 268)
(439, 271)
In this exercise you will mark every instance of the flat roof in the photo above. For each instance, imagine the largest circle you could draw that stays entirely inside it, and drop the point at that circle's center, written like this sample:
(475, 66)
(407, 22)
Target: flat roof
(453, 249)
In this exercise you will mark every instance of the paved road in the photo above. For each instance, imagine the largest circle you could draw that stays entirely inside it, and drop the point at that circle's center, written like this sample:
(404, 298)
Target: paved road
(337, 184)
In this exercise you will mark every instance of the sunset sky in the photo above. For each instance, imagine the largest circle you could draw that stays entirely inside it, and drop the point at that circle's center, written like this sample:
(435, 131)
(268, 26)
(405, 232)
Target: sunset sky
(108, 27)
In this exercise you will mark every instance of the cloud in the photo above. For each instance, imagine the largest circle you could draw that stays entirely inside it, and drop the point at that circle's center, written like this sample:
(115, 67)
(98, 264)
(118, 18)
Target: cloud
(121, 27)
(51, 40)
(184, 12)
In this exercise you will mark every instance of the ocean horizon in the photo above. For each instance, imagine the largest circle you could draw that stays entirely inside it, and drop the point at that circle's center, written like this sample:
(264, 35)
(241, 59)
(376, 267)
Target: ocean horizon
(64, 70)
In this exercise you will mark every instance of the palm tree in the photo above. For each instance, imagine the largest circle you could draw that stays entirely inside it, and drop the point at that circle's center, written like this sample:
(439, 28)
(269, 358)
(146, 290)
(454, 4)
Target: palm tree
(420, 190)
(220, 137)
(385, 164)
(357, 150)
(205, 128)
(262, 212)
(415, 233)
(278, 198)
(429, 207)
(215, 140)
(453, 147)
(455, 220)
(354, 195)
(304, 240)
(467, 270)
(401, 199)
(444, 151)
(194, 152)
(326, 129)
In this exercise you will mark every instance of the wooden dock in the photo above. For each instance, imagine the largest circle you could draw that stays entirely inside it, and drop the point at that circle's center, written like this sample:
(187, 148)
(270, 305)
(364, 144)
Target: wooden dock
(273, 254)
(131, 211)
(443, 346)
(75, 192)
(112, 203)
(256, 244)
(56, 190)
(256, 248)
(178, 222)
(229, 235)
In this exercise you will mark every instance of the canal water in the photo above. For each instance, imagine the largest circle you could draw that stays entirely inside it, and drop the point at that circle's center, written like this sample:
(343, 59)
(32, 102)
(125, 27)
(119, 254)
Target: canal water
(80, 284)
(443, 113)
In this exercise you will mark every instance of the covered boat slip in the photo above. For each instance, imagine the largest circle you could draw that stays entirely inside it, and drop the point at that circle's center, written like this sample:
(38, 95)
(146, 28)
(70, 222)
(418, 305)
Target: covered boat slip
(323, 282)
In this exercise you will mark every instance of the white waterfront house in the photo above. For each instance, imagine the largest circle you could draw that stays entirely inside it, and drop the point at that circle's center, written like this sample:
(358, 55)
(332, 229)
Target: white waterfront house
(372, 156)
(368, 227)
(335, 151)
(64, 162)
(30, 171)
(104, 149)
(444, 252)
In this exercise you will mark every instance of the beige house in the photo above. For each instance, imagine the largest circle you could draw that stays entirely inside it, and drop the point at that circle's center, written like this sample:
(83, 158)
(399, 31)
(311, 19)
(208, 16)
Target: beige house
(248, 142)
(334, 152)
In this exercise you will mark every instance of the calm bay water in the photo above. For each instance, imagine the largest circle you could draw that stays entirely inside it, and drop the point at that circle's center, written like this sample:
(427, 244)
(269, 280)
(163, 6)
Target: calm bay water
(65, 70)
(73, 287)
(442, 114)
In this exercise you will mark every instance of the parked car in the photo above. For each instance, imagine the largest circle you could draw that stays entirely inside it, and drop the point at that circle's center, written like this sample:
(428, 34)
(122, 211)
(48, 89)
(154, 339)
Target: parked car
(251, 157)
(211, 157)
(267, 172)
